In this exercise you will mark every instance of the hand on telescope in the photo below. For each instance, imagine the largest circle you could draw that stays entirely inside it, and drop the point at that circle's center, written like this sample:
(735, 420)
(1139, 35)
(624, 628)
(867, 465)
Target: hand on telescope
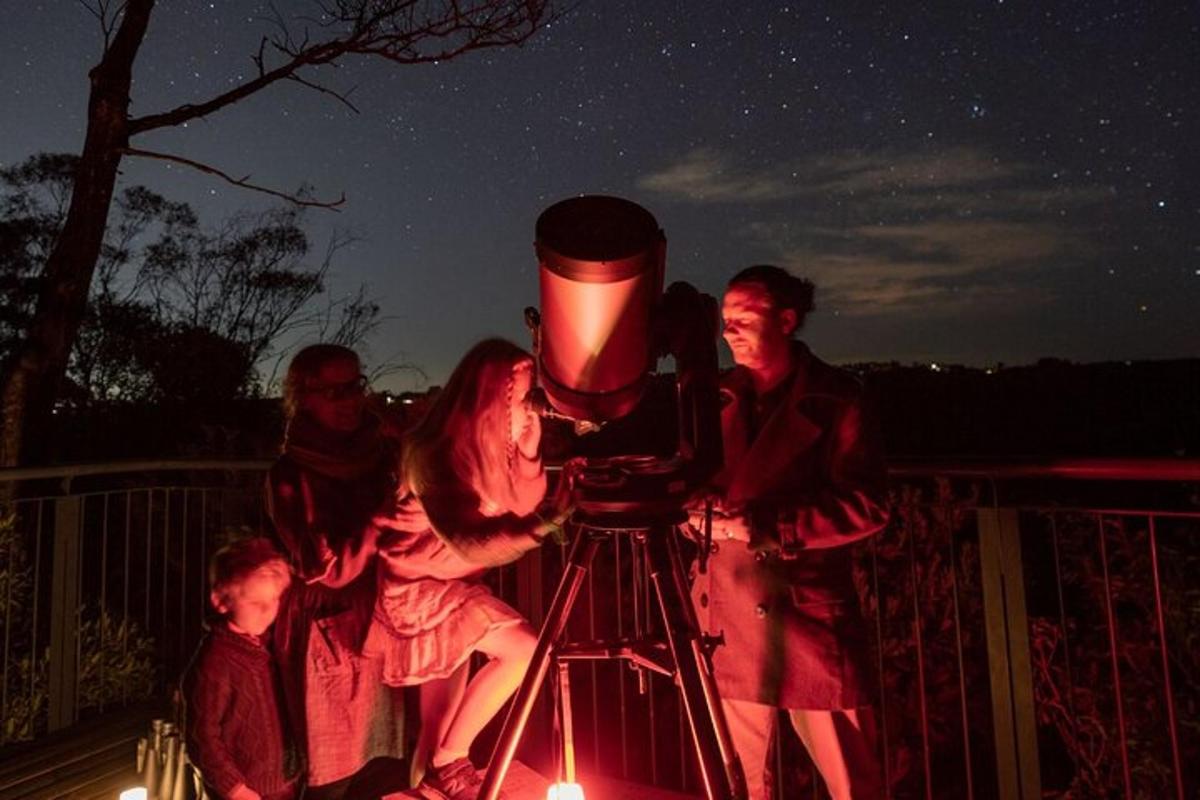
(554, 527)
(243, 792)
(564, 489)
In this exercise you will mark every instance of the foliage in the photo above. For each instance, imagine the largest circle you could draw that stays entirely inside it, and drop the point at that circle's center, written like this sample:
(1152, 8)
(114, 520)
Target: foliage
(230, 297)
(116, 659)
(1108, 597)
(919, 583)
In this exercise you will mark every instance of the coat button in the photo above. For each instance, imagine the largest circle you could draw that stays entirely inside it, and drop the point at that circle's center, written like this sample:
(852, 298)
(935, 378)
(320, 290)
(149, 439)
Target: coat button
(704, 599)
(760, 610)
(761, 556)
(713, 547)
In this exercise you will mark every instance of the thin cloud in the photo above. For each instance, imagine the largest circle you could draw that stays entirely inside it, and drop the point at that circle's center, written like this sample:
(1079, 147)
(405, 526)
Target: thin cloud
(935, 268)
(934, 233)
(707, 176)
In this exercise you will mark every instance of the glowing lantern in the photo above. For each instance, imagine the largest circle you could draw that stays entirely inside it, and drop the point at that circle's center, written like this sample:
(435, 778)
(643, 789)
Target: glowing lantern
(139, 793)
(565, 791)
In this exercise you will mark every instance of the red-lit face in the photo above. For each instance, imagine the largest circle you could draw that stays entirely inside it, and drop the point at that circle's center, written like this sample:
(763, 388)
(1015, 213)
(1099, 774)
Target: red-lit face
(253, 605)
(526, 424)
(335, 396)
(758, 335)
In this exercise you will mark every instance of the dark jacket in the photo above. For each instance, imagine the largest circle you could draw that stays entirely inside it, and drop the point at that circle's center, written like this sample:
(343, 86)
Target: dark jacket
(233, 725)
(811, 481)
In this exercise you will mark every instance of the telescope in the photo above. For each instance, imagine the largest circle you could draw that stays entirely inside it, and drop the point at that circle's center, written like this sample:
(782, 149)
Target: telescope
(604, 323)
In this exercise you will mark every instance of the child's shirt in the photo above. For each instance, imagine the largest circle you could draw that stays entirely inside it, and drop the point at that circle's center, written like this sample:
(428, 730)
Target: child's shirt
(234, 730)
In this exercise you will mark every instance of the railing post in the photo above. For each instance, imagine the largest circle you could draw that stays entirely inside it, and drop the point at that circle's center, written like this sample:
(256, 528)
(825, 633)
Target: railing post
(1014, 717)
(64, 613)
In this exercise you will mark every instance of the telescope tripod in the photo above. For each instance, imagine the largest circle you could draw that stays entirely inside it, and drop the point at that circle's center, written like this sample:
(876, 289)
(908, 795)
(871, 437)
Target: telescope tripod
(684, 656)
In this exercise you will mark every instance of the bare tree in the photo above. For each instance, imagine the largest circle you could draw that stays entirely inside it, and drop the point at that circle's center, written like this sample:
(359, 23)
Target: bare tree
(401, 31)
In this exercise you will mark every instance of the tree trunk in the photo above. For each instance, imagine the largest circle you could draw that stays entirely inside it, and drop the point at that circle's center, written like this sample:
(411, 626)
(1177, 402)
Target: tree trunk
(37, 367)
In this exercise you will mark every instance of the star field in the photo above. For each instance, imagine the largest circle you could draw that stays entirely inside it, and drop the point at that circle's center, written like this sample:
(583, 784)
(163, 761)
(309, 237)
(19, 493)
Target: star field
(972, 182)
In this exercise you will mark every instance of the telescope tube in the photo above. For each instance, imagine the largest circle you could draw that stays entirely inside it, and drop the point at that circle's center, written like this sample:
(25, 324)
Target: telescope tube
(600, 268)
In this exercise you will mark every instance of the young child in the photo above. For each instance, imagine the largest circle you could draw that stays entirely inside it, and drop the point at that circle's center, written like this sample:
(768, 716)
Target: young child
(236, 736)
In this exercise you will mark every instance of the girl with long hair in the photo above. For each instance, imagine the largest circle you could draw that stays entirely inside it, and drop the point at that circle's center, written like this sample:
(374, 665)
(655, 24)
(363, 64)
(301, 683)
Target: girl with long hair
(474, 464)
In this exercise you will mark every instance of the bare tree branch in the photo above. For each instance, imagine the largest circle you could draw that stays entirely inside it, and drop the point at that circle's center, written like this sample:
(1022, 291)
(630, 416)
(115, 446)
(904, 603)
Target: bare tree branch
(403, 31)
(242, 182)
(342, 97)
(101, 11)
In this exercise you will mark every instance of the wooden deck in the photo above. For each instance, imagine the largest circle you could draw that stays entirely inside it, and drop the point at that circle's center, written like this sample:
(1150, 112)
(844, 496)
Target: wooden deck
(523, 783)
(598, 788)
(96, 760)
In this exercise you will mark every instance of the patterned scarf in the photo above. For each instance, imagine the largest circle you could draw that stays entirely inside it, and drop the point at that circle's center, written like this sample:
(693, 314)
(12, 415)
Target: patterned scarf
(342, 456)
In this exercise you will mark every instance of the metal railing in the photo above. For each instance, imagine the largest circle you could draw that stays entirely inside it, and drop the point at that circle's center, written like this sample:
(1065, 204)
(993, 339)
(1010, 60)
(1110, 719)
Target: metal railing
(103, 580)
(1036, 631)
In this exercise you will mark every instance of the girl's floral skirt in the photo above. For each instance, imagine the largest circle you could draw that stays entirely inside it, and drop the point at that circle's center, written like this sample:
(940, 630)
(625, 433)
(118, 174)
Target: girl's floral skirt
(425, 629)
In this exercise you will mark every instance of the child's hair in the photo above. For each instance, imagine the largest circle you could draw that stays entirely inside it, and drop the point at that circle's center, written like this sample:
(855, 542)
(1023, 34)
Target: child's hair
(234, 563)
(471, 419)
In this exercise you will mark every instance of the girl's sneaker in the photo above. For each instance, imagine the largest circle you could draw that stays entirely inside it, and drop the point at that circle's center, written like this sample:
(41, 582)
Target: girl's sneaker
(457, 780)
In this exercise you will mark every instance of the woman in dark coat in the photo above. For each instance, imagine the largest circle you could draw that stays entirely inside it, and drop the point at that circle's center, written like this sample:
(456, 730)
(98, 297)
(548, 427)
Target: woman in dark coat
(336, 472)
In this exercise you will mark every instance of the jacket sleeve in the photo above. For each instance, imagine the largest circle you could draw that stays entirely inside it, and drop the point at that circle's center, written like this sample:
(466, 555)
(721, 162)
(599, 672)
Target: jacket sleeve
(290, 507)
(481, 540)
(208, 694)
(850, 502)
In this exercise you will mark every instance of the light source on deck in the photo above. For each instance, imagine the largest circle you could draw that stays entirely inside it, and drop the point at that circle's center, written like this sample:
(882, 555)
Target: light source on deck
(565, 791)
(139, 793)
(566, 788)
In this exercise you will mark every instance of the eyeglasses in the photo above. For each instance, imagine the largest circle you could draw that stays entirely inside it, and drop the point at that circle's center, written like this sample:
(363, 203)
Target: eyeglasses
(355, 387)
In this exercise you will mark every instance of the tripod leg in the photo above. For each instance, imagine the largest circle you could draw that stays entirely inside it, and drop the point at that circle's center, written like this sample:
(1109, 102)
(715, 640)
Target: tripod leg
(583, 551)
(720, 768)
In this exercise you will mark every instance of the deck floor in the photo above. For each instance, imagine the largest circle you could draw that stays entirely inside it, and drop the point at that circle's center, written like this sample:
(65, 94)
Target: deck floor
(522, 783)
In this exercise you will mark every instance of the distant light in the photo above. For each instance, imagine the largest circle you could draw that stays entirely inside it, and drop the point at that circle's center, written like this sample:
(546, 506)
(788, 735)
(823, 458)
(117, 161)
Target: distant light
(988, 371)
(408, 401)
(565, 791)
(389, 399)
(137, 793)
(934, 366)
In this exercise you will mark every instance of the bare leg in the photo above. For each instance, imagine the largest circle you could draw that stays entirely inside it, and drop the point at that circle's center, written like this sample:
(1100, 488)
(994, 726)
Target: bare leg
(842, 746)
(750, 727)
(509, 651)
(440, 700)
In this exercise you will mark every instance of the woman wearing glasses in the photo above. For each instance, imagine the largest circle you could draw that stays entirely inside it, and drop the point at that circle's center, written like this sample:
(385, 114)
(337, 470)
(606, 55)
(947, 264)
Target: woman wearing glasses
(336, 472)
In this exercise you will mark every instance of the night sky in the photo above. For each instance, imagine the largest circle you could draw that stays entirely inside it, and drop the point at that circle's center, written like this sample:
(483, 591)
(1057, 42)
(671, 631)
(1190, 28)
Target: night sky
(965, 182)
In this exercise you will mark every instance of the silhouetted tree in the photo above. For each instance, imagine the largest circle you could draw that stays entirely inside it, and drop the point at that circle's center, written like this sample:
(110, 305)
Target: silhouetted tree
(402, 31)
(177, 313)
